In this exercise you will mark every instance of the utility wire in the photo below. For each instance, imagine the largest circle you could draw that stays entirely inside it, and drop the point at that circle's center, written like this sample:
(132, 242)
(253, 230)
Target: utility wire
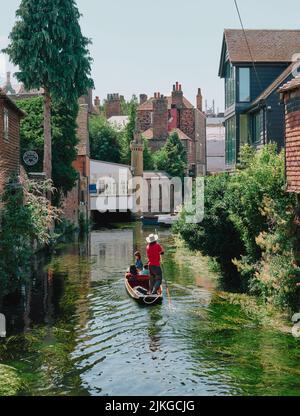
(248, 45)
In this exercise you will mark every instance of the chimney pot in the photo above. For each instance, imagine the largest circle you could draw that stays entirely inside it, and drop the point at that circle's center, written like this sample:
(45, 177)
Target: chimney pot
(177, 83)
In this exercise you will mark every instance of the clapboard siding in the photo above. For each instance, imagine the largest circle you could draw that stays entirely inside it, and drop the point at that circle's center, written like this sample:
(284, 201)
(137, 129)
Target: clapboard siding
(266, 74)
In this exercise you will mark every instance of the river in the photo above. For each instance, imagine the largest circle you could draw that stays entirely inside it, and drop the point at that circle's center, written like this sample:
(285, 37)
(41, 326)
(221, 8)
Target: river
(75, 331)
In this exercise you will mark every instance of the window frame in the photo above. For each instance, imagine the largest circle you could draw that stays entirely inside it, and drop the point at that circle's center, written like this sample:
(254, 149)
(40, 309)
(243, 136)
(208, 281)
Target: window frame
(240, 69)
(231, 141)
(230, 88)
(5, 124)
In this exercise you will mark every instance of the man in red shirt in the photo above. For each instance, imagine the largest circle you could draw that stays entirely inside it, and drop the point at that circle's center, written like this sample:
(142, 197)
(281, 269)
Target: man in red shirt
(154, 251)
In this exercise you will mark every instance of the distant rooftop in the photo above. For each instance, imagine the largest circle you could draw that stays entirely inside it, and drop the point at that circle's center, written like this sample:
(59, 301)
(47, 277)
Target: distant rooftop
(148, 105)
(119, 122)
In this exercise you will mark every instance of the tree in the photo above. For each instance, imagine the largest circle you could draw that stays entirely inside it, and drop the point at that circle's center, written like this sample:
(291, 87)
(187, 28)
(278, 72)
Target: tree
(148, 156)
(104, 140)
(127, 105)
(64, 140)
(172, 157)
(128, 135)
(51, 52)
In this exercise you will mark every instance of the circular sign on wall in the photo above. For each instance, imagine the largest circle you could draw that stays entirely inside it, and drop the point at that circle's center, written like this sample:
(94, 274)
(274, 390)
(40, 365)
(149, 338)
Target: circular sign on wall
(31, 158)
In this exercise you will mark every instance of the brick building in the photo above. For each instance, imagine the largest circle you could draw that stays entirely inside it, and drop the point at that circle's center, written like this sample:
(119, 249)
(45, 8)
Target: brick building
(290, 95)
(10, 116)
(77, 202)
(113, 105)
(159, 116)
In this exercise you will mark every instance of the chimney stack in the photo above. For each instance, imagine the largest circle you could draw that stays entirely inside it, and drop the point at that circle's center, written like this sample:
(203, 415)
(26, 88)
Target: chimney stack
(8, 89)
(143, 98)
(160, 117)
(113, 105)
(177, 96)
(199, 100)
(97, 104)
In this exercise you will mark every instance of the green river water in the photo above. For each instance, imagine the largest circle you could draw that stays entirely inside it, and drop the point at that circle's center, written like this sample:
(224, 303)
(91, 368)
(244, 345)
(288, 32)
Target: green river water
(75, 331)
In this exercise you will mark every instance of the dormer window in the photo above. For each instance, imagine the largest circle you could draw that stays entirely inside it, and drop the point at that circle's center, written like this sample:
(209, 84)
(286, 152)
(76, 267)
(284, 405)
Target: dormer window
(5, 125)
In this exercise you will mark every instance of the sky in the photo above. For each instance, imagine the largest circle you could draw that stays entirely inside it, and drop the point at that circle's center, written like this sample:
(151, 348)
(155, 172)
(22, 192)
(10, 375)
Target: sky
(142, 46)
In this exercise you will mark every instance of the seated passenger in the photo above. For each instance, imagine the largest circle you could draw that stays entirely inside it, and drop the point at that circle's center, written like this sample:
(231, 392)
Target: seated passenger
(145, 271)
(138, 261)
(132, 274)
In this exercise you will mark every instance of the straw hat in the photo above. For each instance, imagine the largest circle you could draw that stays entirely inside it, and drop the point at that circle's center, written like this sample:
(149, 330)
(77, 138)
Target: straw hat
(152, 238)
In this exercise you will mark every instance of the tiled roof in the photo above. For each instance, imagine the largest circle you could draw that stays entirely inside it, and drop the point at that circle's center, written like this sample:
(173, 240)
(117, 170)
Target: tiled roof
(148, 105)
(148, 134)
(275, 85)
(265, 45)
(291, 85)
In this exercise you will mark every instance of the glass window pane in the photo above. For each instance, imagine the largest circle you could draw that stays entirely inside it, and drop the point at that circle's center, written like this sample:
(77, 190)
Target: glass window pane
(244, 84)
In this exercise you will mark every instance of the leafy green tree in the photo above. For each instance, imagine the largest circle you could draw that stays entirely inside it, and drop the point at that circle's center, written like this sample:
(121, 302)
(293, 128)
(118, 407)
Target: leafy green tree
(127, 105)
(26, 217)
(216, 235)
(104, 140)
(172, 158)
(128, 135)
(148, 156)
(47, 45)
(64, 140)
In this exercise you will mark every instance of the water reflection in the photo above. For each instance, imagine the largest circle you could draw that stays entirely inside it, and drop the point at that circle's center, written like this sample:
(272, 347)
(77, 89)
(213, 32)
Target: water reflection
(79, 332)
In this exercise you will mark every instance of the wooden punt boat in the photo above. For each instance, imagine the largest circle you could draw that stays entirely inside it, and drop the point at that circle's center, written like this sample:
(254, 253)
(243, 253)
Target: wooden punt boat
(150, 220)
(138, 290)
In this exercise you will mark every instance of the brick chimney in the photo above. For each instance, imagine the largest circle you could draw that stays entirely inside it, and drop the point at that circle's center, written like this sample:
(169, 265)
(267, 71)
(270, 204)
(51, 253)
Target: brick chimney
(7, 88)
(199, 100)
(97, 104)
(143, 98)
(113, 105)
(177, 96)
(160, 117)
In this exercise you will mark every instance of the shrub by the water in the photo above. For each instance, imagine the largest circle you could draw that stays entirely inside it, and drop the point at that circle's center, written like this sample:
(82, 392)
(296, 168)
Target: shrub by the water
(26, 221)
(251, 227)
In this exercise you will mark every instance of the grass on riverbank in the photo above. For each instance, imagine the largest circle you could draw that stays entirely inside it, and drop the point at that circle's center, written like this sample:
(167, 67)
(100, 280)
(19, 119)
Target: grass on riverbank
(260, 313)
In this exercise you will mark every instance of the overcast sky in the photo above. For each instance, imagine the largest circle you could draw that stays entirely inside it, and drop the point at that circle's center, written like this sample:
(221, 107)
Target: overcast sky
(145, 46)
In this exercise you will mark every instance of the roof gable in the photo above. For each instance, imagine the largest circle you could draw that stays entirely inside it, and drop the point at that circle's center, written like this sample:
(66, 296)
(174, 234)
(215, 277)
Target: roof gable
(267, 46)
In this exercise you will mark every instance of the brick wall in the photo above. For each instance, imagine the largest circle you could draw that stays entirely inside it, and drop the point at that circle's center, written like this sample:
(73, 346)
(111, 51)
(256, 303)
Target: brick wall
(293, 150)
(9, 149)
(200, 143)
(113, 105)
(144, 119)
(160, 118)
(187, 122)
(71, 204)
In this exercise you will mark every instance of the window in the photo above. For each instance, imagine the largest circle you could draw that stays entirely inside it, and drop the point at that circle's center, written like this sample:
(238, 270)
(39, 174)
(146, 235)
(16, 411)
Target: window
(229, 85)
(244, 130)
(244, 85)
(257, 127)
(5, 125)
(231, 141)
